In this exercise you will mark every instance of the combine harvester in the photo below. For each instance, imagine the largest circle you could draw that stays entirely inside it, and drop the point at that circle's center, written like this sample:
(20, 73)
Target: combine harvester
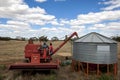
(39, 60)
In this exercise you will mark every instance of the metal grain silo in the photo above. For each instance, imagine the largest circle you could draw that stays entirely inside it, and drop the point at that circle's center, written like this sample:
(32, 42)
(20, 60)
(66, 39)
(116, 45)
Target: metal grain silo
(95, 48)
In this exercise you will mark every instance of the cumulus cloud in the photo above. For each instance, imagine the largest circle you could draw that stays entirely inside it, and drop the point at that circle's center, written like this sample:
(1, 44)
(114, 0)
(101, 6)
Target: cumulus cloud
(19, 10)
(18, 23)
(21, 16)
(111, 4)
(78, 28)
(15, 26)
(91, 18)
(21, 19)
(111, 26)
(12, 8)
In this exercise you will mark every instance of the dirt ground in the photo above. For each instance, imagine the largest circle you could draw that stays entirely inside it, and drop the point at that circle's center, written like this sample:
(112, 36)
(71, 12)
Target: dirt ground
(13, 51)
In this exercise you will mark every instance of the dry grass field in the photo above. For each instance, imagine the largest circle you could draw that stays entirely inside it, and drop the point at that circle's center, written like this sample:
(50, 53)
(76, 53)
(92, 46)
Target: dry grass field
(13, 51)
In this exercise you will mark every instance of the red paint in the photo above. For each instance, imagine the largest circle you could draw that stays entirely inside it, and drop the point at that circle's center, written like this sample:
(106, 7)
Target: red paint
(35, 58)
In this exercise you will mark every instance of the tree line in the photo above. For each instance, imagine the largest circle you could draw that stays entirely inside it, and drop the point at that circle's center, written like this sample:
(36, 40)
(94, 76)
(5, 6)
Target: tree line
(9, 38)
(42, 38)
(116, 38)
(45, 38)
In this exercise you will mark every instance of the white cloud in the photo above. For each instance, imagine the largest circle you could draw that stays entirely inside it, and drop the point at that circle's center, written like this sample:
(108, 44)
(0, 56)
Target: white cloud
(12, 26)
(12, 8)
(20, 20)
(22, 17)
(21, 11)
(41, 1)
(54, 22)
(7, 3)
(92, 18)
(111, 4)
(36, 10)
(78, 28)
(39, 16)
(18, 23)
(114, 26)
(97, 26)
(111, 26)
(64, 21)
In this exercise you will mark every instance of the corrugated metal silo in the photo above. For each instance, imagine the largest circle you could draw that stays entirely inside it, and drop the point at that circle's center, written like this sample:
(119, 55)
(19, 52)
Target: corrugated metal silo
(95, 48)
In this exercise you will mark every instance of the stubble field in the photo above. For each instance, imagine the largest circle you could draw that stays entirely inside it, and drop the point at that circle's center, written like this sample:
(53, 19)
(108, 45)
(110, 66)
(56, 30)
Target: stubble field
(13, 51)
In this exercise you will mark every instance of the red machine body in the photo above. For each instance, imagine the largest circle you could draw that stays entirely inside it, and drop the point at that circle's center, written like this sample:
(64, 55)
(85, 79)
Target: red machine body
(39, 59)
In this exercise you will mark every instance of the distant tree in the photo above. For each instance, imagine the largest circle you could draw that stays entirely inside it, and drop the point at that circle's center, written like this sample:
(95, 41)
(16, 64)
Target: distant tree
(54, 39)
(43, 38)
(5, 38)
(66, 37)
(72, 39)
(116, 38)
(23, 39)
(19, 38)
(34, 38)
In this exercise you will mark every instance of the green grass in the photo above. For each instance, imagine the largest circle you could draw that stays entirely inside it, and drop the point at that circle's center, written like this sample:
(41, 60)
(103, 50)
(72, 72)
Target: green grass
(2, 67)
(106, 77)
(51, 77)
(1, 77)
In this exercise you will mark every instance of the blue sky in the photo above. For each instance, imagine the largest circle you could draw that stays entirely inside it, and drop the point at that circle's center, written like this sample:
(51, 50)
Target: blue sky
(67, 8)
(29, 18)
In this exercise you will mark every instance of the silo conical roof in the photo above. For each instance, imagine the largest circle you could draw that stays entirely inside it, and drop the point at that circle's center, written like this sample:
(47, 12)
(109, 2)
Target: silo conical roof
(95, 38)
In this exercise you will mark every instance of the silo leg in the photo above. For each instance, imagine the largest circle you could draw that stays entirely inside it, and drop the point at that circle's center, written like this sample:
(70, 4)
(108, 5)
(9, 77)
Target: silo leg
(108, 71)
(78, 66)
(73, 64)
(98, 70)
(87, 69)
(115, 69)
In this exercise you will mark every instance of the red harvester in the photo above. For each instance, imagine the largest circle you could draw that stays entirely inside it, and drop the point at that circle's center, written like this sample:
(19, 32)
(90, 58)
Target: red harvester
(39, 60)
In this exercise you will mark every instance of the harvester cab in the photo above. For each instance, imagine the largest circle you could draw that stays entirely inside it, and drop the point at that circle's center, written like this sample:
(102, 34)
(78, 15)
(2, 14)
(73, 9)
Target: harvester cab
(39, 58)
